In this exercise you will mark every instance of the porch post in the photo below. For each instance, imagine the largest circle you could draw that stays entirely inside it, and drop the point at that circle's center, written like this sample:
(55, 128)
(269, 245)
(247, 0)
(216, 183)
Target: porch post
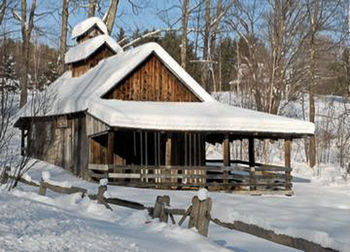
(22, 142)
(226, 150)
(251, 154)
(287, 161)
(110, 148)
(168, 150)
(226, 156)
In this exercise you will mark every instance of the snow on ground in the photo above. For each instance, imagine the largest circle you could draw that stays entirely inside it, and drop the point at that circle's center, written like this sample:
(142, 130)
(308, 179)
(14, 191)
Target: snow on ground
(319, 211)
(59, 222)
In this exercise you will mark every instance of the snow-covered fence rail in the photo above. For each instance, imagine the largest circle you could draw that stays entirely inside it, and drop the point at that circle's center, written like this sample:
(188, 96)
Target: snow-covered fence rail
(294, 242)
(44, 184)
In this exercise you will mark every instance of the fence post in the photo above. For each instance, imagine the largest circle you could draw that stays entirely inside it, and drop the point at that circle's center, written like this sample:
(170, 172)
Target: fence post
(42, 188)
(159, 208)
(200, 214)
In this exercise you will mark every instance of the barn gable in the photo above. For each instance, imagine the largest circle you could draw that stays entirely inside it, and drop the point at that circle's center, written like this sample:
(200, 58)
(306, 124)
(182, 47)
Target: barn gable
(152, 80)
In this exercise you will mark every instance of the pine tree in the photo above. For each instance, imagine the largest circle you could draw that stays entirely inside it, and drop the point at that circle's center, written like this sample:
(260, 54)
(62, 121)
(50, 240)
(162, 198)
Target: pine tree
(8, 76)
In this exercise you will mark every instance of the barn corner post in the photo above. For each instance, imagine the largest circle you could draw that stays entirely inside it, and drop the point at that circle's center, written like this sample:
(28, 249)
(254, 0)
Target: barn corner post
(251, 154)
(288, 162)
(110, 148)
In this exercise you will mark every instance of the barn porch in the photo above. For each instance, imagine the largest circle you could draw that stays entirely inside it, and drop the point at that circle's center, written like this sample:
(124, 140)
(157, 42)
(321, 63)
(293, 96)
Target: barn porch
(177, 160)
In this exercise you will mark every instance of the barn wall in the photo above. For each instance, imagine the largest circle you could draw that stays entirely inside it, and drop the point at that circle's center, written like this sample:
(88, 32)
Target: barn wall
(91, 33)
(61, 141)
(152, 81)
(81, 67)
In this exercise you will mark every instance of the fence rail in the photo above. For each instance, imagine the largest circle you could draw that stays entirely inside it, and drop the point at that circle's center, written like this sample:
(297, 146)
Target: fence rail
(239, 176)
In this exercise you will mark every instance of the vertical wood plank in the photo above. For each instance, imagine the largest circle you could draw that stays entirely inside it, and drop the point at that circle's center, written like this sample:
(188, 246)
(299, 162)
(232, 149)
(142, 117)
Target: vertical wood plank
(287, 161)
(110, 147)
(226, 156)
(168, 156)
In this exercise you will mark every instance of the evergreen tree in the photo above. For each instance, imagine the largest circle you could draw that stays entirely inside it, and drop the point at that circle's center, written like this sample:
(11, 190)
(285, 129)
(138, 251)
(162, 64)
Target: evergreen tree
(8, 76)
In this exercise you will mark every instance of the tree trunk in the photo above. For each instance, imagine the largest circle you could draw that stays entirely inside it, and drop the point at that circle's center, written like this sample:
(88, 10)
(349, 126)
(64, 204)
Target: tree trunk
(92, 8)
(185, 15)
(312, 83)
(111, 14)
(205, 71)
(63, 41)
(26, 30)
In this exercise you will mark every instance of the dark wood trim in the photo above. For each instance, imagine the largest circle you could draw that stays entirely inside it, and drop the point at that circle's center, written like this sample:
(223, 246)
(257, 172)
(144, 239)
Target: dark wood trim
(251, 152)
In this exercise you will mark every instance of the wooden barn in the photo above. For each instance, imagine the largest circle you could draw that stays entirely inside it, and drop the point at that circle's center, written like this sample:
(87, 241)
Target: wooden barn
(137, 118)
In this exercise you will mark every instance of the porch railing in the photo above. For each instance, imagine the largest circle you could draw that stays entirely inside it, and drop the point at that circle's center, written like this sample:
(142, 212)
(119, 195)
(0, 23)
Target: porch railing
(239, 176)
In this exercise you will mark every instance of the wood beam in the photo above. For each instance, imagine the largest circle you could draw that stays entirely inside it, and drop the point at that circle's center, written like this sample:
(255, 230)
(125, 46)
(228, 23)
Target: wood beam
(226, 150)
(22, 142)
(287, 152)
(110, 148)
(251, 152)
(168, 156)
(288, 161)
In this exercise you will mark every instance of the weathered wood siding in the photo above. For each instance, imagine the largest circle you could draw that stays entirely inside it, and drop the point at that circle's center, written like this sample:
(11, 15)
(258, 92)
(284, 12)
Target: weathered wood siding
(92, 32)
(81, 67)
(152, 81)
(94, 126)
(61, 141)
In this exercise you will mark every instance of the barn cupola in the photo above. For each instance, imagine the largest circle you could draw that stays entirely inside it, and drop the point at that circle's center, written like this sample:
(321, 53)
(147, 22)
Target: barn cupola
(93, 45)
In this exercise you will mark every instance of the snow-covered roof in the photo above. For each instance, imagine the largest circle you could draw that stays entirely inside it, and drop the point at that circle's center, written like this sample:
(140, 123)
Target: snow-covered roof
(192, 116)
(85, 25)
(70, 95)
(88, 47)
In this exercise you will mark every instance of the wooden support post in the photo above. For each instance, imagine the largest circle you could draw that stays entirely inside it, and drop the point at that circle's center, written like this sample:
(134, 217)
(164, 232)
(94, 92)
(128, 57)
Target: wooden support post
(141, 148)
(287, 162)
(200, 215)
(159, 208)
(226, 156)
(22, 143)
(100, 196)
(251, 164)
(110, 148)
(168, 150)
(42, 188)
(186, 149)
(146, 148)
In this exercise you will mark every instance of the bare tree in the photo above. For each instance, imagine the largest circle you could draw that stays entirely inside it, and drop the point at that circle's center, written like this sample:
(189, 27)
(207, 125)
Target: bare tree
(319, 14)
(92, 8)
(63, 40)
(185, 16)
(111, 14)
(26, 31)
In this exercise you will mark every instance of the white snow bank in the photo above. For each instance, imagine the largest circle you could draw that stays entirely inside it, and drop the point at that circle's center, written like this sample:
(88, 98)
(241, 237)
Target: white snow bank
(45, 175)
(88, 47)
(103, 182)
(85, 25)
(46, 178)
(202, 194)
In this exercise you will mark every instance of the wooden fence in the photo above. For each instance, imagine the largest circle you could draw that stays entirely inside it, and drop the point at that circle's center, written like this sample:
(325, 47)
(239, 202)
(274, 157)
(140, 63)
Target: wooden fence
(239, 177)
(199, 213)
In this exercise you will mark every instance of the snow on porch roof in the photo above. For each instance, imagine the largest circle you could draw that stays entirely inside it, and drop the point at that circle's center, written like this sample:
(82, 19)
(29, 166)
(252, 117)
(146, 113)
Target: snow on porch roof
(194, 116)
(88, 47)
(85, 25)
